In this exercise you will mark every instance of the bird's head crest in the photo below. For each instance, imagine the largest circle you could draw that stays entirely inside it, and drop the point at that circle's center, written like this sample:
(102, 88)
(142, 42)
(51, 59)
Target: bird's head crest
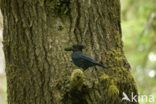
(78, 47)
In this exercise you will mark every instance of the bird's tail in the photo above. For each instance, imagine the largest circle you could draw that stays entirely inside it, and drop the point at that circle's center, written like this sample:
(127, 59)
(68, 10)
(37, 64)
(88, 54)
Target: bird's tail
(102, 65)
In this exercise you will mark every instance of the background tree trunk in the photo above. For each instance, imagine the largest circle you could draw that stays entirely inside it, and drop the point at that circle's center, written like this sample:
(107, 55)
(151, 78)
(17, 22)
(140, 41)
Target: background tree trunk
(39, 70)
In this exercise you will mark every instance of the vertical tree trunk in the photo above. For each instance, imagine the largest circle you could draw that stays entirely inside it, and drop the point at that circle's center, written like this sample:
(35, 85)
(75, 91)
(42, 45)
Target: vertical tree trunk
(39, 70)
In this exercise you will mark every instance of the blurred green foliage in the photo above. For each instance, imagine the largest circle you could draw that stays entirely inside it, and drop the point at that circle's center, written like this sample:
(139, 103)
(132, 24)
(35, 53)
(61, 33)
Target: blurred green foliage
(139, 36)
(3, 93)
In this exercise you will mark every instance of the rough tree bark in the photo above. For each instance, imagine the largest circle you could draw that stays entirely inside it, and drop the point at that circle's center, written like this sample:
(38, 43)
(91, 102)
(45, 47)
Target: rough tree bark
(38, 69)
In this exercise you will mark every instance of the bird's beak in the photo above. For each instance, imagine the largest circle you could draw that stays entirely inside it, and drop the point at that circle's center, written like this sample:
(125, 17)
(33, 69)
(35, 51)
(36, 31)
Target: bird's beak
(68, 49)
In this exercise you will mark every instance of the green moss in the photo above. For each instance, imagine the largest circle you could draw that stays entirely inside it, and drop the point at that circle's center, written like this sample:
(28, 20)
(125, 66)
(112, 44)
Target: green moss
(58, 7)
(104, 76)
(77, 79)
(113, 91)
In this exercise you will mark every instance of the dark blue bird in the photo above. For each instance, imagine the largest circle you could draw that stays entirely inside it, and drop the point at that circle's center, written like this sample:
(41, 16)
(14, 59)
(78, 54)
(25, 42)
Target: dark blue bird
(80, 59)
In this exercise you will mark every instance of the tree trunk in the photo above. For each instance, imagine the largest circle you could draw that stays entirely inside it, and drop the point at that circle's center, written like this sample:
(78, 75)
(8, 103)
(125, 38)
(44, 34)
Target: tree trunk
(38, 69)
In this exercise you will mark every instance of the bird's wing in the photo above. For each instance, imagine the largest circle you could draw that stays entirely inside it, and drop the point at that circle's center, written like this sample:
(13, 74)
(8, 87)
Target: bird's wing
(84, 57)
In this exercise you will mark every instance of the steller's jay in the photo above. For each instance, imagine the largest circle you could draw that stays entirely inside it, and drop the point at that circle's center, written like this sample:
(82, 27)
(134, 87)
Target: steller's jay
(80, 59)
